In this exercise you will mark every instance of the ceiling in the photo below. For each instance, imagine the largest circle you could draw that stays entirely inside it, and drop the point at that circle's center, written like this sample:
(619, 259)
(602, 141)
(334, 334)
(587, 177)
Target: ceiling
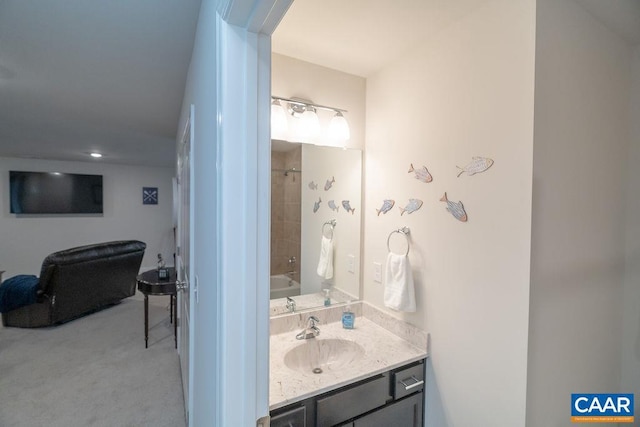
(349, 35)
(108, 75)
(78, 76)
(361, 36)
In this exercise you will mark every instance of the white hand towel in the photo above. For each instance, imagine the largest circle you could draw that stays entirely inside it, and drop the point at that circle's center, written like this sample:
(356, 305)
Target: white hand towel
(399, 292)
(325, 263)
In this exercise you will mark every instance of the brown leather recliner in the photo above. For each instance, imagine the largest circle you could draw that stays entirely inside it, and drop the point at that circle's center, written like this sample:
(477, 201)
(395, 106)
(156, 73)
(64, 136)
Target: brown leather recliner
(81, 280)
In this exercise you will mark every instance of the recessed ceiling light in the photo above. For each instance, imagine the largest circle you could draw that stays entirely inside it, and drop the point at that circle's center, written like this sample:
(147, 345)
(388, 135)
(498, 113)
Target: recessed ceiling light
(95, 155)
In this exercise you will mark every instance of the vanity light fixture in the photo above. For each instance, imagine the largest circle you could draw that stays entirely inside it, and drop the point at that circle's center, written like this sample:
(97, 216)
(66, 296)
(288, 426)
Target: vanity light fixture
(95, 155)
(306, 125)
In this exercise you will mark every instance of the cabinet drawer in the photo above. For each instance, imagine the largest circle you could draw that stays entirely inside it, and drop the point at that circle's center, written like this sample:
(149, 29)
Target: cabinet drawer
(293, 418)
(407, 381)
(404, 413)
(343, 405)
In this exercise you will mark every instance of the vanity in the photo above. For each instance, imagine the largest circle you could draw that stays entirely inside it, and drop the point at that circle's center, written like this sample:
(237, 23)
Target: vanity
(362, 377)
(369, 376)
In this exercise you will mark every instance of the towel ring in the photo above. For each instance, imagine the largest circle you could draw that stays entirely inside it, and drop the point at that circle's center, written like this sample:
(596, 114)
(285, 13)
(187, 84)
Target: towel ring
(331, 224)
(404, 231)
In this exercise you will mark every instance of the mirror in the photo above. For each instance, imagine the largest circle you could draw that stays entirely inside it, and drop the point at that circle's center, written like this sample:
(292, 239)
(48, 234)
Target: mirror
(312, 188)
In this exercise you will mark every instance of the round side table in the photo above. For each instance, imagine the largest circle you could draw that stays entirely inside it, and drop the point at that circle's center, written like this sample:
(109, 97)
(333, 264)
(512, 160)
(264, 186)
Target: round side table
(150, 284)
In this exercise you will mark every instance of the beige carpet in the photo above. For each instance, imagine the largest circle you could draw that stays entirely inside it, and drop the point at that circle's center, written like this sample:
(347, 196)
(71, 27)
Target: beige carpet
(93, 371)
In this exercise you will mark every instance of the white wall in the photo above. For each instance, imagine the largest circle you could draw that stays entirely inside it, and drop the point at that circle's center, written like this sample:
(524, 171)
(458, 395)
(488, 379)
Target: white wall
(320, 164)
(631, 294)
(468, 92)
(25, 241)
(292, 78)
(577, 261)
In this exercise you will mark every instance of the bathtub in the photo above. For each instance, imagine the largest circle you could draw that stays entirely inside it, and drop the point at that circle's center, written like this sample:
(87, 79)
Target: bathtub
(282, 286)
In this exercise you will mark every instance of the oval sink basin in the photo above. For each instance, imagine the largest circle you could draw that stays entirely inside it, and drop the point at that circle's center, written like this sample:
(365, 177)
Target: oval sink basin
(321, 355)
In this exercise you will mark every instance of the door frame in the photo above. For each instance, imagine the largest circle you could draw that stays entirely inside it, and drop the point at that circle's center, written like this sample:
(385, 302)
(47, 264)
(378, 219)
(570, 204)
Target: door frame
(240, 356)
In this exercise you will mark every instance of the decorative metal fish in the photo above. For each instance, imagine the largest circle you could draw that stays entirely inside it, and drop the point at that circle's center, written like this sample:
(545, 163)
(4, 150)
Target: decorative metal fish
(316, 205)
(412, 206)
(477, 165)
(313, 185)
(386, 206)
(347, 207)
(332, 205)
(422, 174)
(329, 183)
(455, 209)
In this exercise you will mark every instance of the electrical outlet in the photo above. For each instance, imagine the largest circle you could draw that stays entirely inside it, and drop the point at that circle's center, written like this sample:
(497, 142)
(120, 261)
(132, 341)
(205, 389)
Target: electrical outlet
(377, 272)
(351, 263)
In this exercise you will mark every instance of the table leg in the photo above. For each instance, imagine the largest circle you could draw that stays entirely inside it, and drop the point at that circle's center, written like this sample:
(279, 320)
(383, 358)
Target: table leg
(170, 308)
(175, 322)
(146, 321)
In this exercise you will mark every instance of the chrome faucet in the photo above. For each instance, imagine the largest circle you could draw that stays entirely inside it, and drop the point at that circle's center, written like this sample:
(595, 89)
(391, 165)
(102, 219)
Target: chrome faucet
(291, 304)
(292, 269)
(311, 330)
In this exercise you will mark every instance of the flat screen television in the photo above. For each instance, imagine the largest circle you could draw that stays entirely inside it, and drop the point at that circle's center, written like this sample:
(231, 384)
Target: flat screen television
(55, 193)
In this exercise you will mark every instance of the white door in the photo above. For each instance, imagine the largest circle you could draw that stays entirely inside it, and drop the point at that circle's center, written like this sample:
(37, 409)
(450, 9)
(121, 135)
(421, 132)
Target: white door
(183, 258)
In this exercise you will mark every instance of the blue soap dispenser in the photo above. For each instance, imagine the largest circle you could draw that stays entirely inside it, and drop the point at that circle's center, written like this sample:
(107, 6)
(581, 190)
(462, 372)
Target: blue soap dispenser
(348, 317)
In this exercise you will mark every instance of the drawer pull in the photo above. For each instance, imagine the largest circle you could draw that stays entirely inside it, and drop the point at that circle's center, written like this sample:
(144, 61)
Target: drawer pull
(417, 383)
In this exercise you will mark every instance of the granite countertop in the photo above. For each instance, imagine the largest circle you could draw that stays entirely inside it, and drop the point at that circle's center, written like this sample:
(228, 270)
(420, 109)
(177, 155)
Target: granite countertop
(383, 351)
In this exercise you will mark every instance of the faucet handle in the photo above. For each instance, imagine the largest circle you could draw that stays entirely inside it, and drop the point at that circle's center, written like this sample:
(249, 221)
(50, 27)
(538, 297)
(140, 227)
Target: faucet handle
(291, 304)
(311, 330)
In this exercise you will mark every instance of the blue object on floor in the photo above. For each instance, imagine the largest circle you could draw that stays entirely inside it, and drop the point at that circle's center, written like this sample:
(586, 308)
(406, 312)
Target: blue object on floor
(18, 291)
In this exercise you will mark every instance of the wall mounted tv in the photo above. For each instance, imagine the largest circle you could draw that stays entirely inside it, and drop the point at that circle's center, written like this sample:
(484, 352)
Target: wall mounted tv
(55, 193)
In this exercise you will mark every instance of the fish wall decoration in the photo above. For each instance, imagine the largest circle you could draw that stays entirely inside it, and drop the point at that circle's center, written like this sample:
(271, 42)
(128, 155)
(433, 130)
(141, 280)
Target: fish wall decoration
(313, 185)
(329, 183)
(412, 206)
(332, 205)
(347, 206)
(422, 174)
(316, 205)
(386, 206)
(477, 165)
(455, 209)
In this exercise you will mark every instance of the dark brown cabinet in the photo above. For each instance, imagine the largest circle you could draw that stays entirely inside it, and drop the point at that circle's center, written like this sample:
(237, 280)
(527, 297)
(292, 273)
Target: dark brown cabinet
(347, 403)
(295, 417)
(405, 413)
(393, 398)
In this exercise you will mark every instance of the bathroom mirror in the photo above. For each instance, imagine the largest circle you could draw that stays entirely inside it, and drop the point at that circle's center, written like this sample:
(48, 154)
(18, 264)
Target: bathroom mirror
(316, 192)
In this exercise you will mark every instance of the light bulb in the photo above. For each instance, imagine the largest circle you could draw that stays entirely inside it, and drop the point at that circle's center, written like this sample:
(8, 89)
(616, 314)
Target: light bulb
(279, 127)
(339, 128)
(309, 125)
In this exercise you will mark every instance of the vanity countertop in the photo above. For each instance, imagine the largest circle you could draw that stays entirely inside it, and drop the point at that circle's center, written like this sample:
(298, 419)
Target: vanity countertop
(383, 351)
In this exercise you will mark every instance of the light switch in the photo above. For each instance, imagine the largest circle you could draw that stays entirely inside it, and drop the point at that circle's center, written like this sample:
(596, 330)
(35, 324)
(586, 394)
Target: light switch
(377, 272)
(351, 263)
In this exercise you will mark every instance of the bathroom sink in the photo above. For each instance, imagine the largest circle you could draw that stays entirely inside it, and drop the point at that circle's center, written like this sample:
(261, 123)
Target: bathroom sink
(323, 355)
